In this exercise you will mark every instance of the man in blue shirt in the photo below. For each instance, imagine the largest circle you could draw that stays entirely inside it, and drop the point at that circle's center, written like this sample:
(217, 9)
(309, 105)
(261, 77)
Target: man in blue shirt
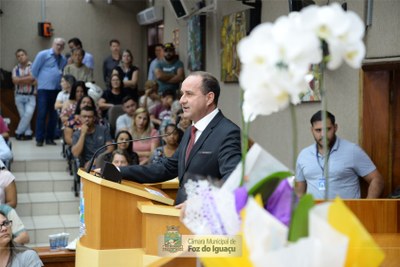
(346, 163)
(47, 69)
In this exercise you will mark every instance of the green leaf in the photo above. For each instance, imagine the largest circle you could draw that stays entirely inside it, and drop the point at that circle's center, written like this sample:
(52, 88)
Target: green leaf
(299, 223)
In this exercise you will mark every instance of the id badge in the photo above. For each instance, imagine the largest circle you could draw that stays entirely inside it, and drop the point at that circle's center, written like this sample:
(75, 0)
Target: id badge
(321, 184)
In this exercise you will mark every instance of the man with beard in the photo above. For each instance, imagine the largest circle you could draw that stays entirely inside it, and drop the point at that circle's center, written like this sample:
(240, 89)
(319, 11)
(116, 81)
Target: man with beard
(346, 161)
(169, 72)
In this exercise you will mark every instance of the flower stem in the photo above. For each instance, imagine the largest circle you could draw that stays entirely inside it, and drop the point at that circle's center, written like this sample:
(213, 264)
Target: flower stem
(324, 103)
(245, 141)
(294, 136)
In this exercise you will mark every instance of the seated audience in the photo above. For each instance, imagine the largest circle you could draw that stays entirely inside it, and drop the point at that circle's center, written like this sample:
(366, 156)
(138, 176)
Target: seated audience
(127, 148)
(150, 99)
(8, 190)
(124, 121)
(74, 123)
(171, 143)
(184, 123)
(6, 154)
(11, 253)
(89, 137)
(79, 70)
(78, 90)
(114, 96)
(120, 158)
(18, 231)
(141, 128)
(4, 130)
(67, 81)
(161, 115)
(128, 73)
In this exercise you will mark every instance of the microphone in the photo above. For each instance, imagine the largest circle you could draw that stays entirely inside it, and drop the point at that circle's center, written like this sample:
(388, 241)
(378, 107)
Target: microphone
(89, 168)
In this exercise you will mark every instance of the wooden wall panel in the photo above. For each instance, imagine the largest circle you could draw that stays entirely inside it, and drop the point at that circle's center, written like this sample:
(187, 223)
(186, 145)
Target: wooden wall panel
(376, 122)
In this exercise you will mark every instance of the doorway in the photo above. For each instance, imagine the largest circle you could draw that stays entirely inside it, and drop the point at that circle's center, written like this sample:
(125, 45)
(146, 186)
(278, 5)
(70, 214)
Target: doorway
(380, 120)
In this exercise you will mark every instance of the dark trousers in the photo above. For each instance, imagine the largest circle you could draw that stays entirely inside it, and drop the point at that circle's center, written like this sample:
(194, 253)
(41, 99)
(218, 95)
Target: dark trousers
(45, 109)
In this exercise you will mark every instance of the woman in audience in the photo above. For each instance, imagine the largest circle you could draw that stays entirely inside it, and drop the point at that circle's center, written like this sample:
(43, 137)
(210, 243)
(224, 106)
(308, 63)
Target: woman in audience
(8, 190)
(78, 90)
(141, 128)
(128, 73)
(11, 254)
(126, 148)
(150, 99)
(67, 81)
(171, 144)
(114, 96)
(19, 233)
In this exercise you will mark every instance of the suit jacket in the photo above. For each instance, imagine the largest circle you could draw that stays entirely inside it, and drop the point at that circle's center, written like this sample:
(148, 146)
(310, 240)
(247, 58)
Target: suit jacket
(216, 154)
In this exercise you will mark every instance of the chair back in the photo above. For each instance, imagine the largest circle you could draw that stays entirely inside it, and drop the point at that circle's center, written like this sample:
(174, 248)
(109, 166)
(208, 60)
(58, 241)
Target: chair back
(113, 113)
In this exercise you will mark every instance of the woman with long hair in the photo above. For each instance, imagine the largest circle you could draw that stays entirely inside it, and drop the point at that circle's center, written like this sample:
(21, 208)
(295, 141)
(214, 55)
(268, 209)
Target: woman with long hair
(129, 73)
(114, 96)
(78, 90)
(142, 128)
(126, 148)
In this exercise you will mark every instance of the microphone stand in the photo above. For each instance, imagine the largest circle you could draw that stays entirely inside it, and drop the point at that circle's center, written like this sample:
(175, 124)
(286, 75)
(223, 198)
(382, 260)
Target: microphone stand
(89, 168)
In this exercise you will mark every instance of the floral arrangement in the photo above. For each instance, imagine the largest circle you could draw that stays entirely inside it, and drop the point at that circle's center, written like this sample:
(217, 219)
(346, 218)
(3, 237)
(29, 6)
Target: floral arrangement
(277, 228)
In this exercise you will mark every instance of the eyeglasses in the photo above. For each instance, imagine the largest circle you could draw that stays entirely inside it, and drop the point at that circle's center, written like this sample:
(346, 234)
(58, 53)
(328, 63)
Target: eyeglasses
(6, 224)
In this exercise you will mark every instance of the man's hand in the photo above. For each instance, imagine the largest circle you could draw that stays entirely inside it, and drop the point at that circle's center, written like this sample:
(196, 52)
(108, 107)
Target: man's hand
(182, 207)
(84, 129)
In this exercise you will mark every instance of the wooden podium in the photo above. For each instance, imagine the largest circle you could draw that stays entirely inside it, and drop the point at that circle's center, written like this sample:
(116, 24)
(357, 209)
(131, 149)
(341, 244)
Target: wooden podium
(120, 229)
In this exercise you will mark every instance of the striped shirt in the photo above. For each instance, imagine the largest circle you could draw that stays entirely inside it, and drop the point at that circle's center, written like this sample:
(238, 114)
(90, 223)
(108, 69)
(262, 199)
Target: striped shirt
(19, 71)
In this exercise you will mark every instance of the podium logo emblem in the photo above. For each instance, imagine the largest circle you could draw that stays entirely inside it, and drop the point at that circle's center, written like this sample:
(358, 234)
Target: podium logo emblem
(172, 240)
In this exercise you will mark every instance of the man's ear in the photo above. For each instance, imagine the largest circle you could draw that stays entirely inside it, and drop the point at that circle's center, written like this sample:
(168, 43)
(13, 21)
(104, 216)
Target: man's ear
(210, 98)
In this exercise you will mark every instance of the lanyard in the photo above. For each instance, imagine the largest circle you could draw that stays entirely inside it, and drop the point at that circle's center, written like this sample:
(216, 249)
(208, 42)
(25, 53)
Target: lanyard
(327, 161)
(319, 164)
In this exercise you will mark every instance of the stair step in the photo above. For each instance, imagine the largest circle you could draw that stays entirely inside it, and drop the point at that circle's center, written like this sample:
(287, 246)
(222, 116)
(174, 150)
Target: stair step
(39, 165)
(47, 203)
(32, 182)
(40, 227)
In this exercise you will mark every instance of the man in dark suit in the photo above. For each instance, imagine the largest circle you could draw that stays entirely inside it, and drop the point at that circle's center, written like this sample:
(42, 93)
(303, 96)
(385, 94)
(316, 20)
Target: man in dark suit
(216, 149)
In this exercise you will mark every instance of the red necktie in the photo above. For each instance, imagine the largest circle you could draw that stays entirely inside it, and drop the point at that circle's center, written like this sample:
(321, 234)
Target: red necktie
(191, 142)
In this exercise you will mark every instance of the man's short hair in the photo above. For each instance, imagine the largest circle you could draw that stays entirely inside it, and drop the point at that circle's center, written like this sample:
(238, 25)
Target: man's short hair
(114, 41)
(75, 41)
(209, 84)
(128, 98)
(88, 108)
(318, 117)
(20, 50)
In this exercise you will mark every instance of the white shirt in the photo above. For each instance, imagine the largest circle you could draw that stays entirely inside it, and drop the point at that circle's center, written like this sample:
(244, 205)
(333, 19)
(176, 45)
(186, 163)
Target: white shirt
(202, 124)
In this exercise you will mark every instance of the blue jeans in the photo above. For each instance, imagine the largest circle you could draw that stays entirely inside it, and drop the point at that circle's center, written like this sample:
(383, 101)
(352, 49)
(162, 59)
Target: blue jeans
(45, 108)
(26, 107)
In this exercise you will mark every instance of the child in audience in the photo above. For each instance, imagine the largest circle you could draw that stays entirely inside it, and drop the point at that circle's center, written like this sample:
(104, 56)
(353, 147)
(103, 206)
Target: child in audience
(120, 158)
(150, 99)
(67, 81)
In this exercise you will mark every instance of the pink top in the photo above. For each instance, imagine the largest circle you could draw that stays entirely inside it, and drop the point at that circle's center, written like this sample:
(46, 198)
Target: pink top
(3, 125)
(143, 146)
(6, 178)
